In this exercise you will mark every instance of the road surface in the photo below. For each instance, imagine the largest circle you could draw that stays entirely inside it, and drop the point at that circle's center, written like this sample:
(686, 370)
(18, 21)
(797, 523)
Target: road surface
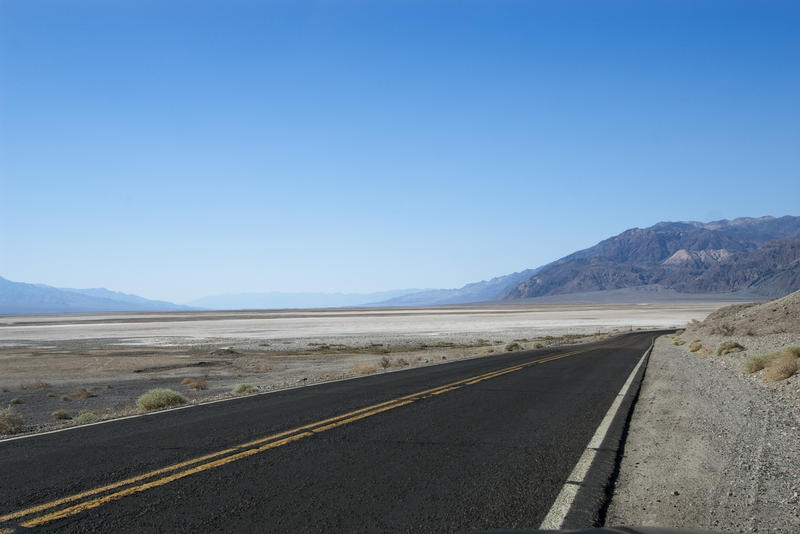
(475, 444)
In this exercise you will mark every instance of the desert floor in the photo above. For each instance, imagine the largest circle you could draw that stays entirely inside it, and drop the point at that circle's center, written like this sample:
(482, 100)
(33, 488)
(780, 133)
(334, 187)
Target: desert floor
(102, 363)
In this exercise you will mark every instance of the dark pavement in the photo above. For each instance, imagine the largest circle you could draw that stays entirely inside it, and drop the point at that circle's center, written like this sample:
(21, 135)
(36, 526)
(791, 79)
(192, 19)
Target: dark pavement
(488, 454)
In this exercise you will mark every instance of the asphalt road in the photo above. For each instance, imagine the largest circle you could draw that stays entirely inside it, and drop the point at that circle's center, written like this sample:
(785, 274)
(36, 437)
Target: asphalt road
(475, 444)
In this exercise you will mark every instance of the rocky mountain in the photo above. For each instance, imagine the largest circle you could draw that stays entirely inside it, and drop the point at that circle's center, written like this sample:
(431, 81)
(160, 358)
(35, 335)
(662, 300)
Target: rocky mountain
(17, 298)
(760, 256)
(486, 290)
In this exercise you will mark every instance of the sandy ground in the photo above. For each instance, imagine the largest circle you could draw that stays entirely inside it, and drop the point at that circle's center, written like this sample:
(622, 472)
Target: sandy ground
(46, 360)
(710, 447)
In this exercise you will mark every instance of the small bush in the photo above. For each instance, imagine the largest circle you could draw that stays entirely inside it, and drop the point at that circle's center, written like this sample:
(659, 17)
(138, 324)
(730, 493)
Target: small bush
(695, 346)
(244, 389)
(16, 400)
(50, 394)
(61, 415)
(85, 417)
(65, 397)
(195, 383)
(781, 368)
(385, 362)
(10, 421)
(83, 393)
(755, 363)
(728, 347)
(679, 342)
(401, 362)
(364, 369)
(538, 345)
(778, 365)
(34, 385)
(511, 347)
(157, 399)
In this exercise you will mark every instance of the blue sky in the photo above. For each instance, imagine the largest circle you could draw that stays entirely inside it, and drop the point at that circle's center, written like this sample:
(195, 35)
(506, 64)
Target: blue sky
(179, 149)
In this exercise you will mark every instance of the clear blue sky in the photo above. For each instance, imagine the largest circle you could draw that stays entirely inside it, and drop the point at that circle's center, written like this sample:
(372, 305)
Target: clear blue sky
(179, 149)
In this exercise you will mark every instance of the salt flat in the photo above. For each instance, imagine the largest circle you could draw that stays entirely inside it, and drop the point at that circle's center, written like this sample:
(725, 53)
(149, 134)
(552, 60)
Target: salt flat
(457, 324)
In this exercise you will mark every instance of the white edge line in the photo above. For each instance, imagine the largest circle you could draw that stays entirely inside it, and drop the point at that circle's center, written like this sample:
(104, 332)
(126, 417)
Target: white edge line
(554, 519)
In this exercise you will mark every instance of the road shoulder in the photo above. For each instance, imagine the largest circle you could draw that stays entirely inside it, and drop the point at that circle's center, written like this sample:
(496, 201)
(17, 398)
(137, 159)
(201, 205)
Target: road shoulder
(707, 448)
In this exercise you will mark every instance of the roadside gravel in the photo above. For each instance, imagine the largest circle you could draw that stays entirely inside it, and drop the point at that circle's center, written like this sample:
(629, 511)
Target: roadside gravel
(709, 447)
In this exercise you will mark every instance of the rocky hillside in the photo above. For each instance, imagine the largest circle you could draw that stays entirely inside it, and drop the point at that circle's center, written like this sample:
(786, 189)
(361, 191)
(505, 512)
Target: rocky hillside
(756, 256)
(776, 316)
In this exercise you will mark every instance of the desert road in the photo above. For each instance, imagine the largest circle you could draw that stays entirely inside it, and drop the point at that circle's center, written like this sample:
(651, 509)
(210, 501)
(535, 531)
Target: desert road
(475, 444)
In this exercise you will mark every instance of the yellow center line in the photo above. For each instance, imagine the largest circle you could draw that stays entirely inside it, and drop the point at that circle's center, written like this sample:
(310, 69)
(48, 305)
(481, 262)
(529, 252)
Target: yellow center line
(244, 450)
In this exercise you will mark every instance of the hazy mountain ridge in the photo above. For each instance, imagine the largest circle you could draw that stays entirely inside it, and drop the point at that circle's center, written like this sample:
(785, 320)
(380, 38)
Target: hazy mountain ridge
(278, 300)
(485, 290)
(21, 298)
(761, 256)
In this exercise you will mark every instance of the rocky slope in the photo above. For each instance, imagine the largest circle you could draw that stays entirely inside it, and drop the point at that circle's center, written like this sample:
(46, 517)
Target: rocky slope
(756, 256)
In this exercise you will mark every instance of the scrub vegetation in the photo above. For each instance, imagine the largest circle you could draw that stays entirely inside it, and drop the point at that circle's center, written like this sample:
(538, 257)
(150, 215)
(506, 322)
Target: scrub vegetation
(10, 421)
(244, 389)
(778, 365)
(727, 347)
(158, 399)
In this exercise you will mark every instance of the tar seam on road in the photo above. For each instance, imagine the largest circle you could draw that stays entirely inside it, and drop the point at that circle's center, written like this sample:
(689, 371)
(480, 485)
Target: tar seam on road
(554, 520)
(101, 495)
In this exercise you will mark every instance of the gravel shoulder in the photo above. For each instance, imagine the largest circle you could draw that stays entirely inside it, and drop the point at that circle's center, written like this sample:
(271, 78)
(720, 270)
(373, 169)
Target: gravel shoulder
(710, 447)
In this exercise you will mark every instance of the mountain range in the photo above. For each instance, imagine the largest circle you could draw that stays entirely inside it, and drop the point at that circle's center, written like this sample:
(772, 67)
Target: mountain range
(18, 298)
(746, 258)
(756, 256)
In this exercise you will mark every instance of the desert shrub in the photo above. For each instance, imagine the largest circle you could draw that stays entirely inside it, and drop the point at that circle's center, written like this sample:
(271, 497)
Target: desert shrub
(723, 330)
(10, 421)
(61, 415)
(777, 365)
(364, 369)
(728, 347)
(50, 394)
(196, 383)
(755, 363)
(64, 397)
(538, 345)
(385, 362)
(34, 385)
(157, 399)
(695, 346)
(244, 389)
(83, 393)
(16, 400)
(511, 347)
(401, 362)
(781, 368)
(679, 342)
(85, 417)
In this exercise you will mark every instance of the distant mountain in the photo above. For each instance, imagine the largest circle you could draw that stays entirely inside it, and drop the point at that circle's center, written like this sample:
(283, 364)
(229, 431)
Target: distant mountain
(758, 256)
(486, 290)
(17, 298)
(280, 300)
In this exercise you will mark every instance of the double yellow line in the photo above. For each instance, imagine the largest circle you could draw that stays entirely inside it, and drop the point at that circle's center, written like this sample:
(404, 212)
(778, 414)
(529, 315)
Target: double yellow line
(87, 500)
